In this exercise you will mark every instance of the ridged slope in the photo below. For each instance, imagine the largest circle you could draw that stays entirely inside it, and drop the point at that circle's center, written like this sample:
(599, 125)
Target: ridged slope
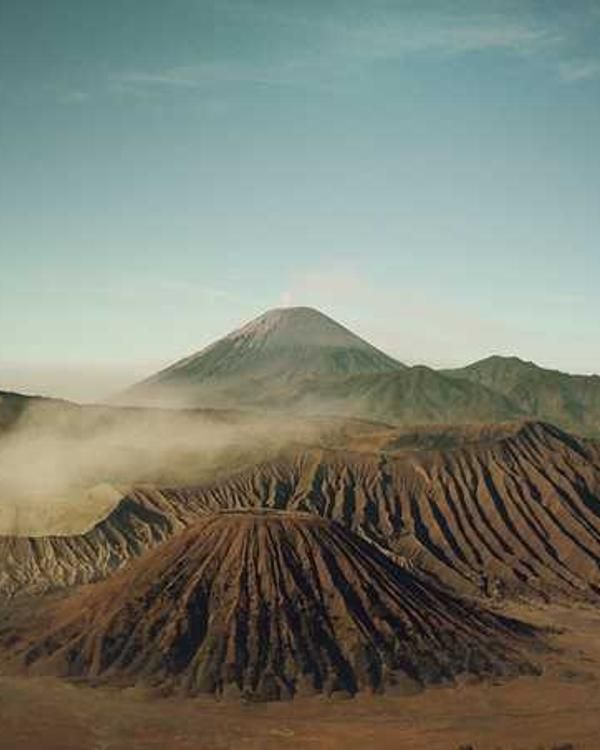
(297, 359)
(411, 396)
(572, 401)
(518, 512)
(266, 605)
(279, 346)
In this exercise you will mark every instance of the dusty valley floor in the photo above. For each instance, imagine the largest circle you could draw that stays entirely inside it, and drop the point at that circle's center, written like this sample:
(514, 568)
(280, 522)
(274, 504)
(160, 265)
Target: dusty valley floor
(558, 710)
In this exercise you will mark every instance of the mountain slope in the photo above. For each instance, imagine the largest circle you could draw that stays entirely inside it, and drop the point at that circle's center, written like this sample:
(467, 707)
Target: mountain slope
(515, 511)
(297, 359)
(264, 605)
(571, 401)
(413, 395)
(14, 406)
(274, 350)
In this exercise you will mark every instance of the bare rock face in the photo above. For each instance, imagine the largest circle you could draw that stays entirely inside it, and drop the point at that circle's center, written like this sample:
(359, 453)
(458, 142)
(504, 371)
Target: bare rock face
(266, 605)
(514, 514)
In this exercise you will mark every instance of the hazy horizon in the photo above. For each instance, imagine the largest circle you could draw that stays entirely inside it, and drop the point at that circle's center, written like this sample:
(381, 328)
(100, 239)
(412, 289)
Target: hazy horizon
(427, 177)
(97, 382)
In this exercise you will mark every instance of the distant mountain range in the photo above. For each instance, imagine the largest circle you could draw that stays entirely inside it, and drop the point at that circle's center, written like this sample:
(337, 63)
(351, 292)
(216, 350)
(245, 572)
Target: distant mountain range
(299, 359)
(571, 401)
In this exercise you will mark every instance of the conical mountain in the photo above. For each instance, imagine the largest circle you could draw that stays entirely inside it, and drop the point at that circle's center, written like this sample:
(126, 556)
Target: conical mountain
(299, 360)
(280, 347)
(267, 605)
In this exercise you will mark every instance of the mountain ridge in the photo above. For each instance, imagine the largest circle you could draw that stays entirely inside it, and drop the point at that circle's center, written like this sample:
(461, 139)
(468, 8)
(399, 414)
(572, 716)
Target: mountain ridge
(572, 401)
(300, 360)
(520, 504)
(281, 344)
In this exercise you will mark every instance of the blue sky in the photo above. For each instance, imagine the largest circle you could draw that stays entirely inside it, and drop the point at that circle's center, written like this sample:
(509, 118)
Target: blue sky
(426, 172)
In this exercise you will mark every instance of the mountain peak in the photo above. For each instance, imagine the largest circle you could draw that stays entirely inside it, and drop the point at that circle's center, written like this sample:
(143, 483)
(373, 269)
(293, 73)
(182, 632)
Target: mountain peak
(280, 346)
(506, 360)
(294, 326)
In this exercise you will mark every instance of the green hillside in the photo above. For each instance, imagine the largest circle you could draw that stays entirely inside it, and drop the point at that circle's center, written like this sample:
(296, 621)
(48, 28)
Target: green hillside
(570, 401)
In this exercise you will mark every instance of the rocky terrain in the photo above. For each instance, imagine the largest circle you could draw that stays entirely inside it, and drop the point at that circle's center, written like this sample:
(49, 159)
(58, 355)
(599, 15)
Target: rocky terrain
(557, 709)
(64, 465)
(507, 511)
(325, 523)
(266, 605)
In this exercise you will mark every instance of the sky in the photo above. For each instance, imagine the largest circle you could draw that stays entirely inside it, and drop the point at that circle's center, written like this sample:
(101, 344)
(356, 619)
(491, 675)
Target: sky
(427, 173)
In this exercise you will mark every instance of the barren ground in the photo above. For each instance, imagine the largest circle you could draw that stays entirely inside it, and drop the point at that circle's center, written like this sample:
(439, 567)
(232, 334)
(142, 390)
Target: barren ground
(559, 710)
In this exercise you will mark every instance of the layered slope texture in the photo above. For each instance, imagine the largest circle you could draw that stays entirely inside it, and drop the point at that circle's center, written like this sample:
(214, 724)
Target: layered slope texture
(266, 605)
(517, 512)
(572, 401)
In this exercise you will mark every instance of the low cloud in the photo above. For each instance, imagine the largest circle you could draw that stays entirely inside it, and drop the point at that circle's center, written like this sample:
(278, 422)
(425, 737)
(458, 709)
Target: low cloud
(338, 46)
(63, 467)
(286, 73)
(445, 36)
(580, 70)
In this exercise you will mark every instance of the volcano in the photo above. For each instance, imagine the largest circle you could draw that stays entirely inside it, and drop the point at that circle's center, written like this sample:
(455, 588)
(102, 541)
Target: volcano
(267, 605)
(516, 503)
(298, 360)
(269, 354)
